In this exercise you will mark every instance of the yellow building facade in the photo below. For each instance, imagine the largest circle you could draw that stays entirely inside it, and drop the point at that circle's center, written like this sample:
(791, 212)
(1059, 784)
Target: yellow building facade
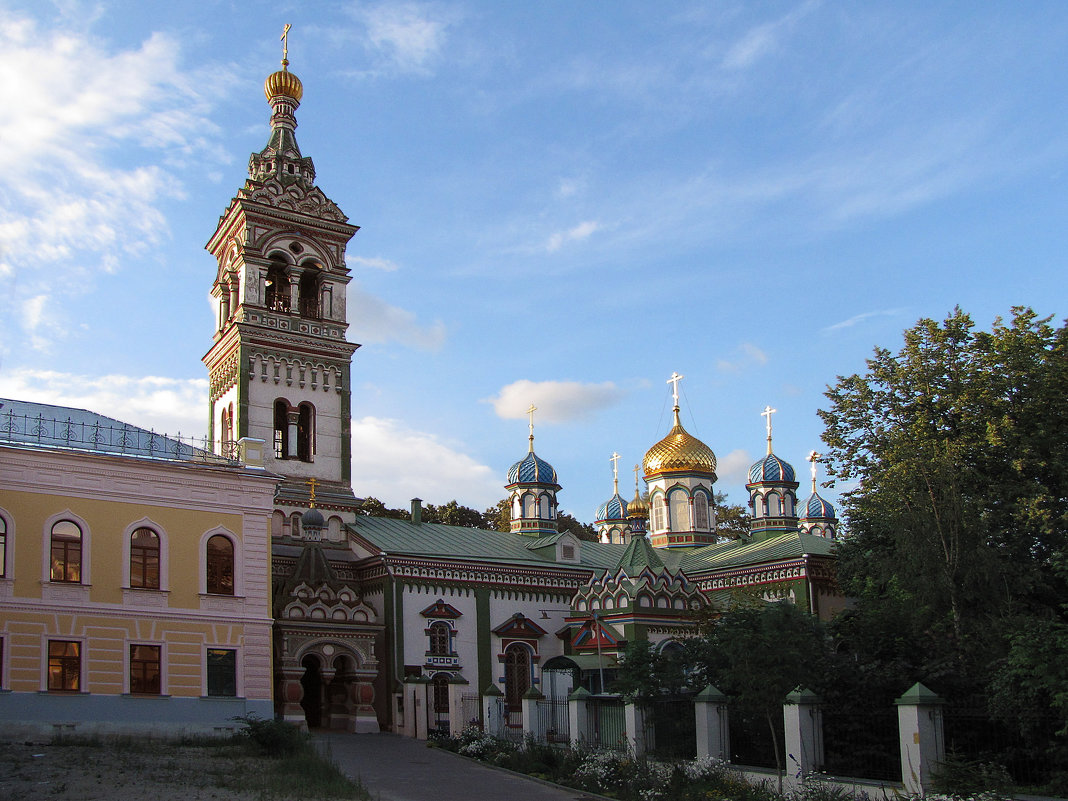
(134, 578)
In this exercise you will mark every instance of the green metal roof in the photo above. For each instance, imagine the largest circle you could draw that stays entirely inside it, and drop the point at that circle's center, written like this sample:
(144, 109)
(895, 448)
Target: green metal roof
(402, 538)
(740, 553)
(638, 556)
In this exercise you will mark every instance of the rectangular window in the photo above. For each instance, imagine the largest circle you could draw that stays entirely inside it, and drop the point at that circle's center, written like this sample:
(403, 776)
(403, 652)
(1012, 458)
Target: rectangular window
(64, 666)
(3, 548)
(145, 669)
(222, 672)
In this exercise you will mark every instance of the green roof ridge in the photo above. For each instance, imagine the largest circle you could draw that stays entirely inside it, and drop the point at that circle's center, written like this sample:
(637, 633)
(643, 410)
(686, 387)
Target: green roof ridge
(638, 556)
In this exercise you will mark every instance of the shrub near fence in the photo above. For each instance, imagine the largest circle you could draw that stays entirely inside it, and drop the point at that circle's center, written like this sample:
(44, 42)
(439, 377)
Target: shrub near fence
(670, 727)
(750, 737)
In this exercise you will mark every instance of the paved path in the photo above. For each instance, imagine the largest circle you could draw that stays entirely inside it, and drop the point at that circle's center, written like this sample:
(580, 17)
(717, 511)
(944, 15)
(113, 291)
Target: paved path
(396, 768)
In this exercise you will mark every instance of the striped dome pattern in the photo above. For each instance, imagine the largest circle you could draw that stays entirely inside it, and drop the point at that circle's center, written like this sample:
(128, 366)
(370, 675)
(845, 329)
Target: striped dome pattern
(531, 470)
(770, 469)
(815, 506)
(615, 508)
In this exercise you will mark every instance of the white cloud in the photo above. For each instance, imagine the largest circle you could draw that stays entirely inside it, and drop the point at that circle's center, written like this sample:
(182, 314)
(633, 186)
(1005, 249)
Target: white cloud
(406, 38)
(557, 401)
(372, 320)
(395, 464)
(375, 264)
(859, 318)
(82, 132)
(167, 405)
(762, 40)
(748, 354)
(733, 469)
(577, 234)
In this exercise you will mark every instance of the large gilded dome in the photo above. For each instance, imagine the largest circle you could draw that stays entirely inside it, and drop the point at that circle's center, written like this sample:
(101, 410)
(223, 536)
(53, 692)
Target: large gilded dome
(283, 83)
(679, 452)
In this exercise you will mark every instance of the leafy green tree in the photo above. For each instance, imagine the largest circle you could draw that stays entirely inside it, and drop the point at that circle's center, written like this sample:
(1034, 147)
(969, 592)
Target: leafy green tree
(732, 519)
(372, 507)
(757, 653)
(645, 673)
(499, 516)
(453, 514)
(584, 531)
(959, 449)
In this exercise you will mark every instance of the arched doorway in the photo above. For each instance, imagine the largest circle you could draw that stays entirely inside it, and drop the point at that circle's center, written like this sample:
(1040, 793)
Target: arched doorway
(312, 683)
(516, 676)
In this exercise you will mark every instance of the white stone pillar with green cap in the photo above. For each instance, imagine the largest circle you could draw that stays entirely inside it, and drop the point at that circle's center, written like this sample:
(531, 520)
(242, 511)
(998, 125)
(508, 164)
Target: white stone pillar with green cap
(531, 718)
(576, 716)
(634, 723)
(491, 710)
(803, 724)
(713, 730)
(456, 705)
(919, 724)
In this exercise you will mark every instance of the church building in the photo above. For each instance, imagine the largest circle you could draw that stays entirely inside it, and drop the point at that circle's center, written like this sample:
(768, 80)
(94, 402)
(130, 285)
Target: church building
(347, 621)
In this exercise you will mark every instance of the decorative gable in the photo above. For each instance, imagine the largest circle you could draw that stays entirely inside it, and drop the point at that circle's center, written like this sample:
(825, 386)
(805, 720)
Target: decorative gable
(594, 634)
(519, 627)
(441, 610)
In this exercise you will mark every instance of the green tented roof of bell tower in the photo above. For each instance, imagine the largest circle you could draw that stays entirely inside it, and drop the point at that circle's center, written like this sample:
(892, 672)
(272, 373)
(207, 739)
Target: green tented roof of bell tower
(638, 556)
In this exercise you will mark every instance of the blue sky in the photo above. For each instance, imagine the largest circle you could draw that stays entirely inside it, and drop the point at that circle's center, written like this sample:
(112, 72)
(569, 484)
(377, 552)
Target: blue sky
(560, 202)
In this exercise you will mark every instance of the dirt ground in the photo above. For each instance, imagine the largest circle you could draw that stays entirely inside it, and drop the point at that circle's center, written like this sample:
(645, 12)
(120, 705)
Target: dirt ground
(134, 771)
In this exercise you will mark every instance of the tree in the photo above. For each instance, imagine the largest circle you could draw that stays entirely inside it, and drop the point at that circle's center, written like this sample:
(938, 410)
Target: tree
(453, 514)
(584, 531)
(757, 653)
(499, 516)
(733, 520)
(959, 448)
(372, 507)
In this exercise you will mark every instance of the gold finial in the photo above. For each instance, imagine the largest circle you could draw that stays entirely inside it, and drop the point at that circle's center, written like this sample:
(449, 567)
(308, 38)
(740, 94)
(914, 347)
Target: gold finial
(285, 45)
(312, 482)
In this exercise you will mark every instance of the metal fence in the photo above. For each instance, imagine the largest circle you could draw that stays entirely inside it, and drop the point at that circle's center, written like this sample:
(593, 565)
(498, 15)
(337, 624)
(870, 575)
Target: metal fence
(751, 738)
(1031, 752)
(670, 729)
(553, 720)
(862, 744)
(605, 725)
(471, 709)
(511, 722)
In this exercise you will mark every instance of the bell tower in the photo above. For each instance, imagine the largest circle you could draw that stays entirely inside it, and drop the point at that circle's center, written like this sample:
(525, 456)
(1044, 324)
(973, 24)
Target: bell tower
(279, 365)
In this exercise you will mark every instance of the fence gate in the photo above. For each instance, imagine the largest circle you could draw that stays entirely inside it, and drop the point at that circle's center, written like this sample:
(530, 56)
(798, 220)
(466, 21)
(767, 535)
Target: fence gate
(511, 722)
(606, 727)
(471, 710)
(553, 720)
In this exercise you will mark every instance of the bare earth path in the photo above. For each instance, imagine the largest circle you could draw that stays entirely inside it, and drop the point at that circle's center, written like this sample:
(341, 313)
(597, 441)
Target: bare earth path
(395, 768)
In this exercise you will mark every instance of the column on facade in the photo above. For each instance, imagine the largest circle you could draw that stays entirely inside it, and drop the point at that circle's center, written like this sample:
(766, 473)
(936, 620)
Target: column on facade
(291, 693)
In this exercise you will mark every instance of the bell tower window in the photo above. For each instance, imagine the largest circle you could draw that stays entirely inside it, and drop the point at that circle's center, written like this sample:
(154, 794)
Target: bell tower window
(306, 432)
(309, 293)
(276, 296)
(281, 429)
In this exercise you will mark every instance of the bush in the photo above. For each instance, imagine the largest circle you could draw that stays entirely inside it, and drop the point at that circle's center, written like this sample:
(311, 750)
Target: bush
(273, 738)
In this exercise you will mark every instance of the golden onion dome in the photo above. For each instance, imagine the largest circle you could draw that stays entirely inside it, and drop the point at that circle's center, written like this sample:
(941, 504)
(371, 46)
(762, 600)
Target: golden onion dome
(637, 506)
(679, 452)
(283, 83)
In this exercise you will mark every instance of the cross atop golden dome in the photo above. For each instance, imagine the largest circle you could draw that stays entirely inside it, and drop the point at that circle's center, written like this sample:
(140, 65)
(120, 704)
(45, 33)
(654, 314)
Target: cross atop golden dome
(284, 83)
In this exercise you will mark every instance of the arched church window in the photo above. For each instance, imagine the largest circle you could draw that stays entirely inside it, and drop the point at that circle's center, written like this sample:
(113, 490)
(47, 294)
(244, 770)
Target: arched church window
(516, 675)
(440, 644)
(517, 508)
(700, 511)
(774, 507)
(658, 505)
(680, 511)
(220, 565)
(309, 293)
(441, 693)
(281, 429)
(306, 432)
(276, 294)
(543, 505)
(144, 559)
(529, 506)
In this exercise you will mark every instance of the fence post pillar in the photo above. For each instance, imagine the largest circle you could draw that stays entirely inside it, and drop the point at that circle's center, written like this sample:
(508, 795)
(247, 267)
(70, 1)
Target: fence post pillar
(576, 715)
(412, 706)
(531, 718)
(803, 722)
(456, 705)
(919, 725)
(634, 723)
(713, 729)
(491, 710)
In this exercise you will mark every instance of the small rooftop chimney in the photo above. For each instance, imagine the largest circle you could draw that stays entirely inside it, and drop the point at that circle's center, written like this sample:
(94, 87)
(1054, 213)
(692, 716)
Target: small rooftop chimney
(417, 511)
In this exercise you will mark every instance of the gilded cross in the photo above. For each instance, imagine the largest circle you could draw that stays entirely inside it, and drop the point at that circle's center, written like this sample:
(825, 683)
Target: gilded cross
(312, 482)
(637, 467)
(614, 459)
(768, 412)
(813, 457)
(674, 381)
(285, 45)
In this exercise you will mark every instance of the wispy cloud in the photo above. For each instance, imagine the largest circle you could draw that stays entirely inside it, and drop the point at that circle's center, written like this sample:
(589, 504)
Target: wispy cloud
(579, 233)
(374, 264)
(747, 354)
(763, 39)
(375, 321)
(168, 405)
(407, 38)
(557, 401)
(69, 204)
(856, 319)
(733, 469)
(395, 463)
